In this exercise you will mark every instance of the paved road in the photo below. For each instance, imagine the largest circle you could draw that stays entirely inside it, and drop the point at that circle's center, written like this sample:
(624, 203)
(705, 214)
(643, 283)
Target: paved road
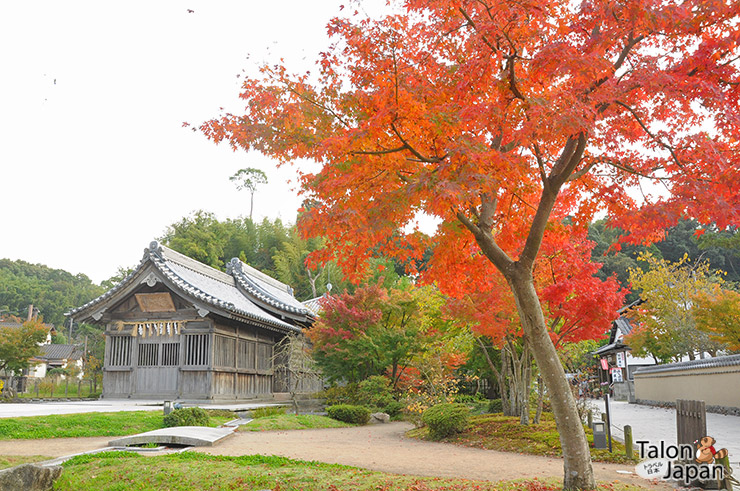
(656, 424)
(13, 410)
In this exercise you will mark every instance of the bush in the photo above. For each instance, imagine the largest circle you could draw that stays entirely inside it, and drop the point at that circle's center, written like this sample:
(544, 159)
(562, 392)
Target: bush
(189, 416)
(446, 419)
(376, 394)
(349, 414)
(339, 395)
(495, 406)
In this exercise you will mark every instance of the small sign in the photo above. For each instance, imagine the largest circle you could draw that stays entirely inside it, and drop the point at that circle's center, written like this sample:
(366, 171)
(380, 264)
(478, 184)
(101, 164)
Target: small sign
(617, 375)
(604, 364)
(620, 359)
(653, 469)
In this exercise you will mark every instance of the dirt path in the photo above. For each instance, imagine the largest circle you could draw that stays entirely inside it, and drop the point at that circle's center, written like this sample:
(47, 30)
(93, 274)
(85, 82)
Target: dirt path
(376, 447)
(385, 448)
(53, 447)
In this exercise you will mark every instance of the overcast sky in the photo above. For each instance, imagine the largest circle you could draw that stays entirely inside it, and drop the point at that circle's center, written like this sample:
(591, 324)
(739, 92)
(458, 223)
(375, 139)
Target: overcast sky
(94, 161)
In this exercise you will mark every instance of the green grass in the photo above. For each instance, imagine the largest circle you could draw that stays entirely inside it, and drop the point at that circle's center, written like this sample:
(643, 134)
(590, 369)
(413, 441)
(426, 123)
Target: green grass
(292, 422)
(89, 424)
(123, 471)
(7, 461)
(504, 433)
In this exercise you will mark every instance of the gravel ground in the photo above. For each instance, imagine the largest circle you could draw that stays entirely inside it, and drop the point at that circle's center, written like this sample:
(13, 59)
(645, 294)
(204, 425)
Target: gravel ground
(376, 447)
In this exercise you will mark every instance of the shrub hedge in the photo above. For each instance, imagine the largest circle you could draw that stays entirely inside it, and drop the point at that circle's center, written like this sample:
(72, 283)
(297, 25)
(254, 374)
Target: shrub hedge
(446, 419)
(189, 416)
(359, 415)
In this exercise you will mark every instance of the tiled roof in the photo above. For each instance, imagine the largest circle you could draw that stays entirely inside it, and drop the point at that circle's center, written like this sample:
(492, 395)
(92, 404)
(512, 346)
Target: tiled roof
(715, 362)
(206, 285)
(314, 304)
(264, 288)
(60, 352)
(11, 324)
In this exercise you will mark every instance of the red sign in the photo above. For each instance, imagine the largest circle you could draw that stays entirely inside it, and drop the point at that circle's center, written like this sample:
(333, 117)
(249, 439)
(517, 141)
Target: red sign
(604, 364)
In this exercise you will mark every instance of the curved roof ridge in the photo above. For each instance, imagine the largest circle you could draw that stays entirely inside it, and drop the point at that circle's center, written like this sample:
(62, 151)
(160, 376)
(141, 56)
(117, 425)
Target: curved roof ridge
(188, 262)
(242, 276)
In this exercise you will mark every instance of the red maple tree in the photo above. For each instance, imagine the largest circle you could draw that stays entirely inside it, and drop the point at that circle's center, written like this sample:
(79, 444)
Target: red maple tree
(503, 118)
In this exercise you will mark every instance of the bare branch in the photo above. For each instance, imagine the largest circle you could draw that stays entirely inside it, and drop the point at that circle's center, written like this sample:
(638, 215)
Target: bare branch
(631, 43)
(431, 160)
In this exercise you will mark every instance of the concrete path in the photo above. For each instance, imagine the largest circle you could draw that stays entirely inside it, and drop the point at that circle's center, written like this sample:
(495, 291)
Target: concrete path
(656, 424)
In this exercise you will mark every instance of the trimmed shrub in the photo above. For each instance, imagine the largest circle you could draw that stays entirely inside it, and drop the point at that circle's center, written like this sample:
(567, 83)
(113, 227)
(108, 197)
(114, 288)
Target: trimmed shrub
(358, 415)
(495, 406)
(446, 419)
(189, 416)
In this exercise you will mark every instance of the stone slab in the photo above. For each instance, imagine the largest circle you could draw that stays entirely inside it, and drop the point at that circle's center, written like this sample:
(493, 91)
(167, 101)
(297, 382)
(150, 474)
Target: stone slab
(193, 436)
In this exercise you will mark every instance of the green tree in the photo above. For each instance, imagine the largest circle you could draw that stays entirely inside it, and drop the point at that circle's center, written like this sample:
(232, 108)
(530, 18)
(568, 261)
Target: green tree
(292, 269)
(249, 179)
(52, 291)
(667, 327)
(374, 331)
(20, 344)
(718, 313)
(204, 238)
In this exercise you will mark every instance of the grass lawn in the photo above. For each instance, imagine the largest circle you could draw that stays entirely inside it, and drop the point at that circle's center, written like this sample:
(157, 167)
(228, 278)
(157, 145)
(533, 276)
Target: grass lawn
(292, 422)
(195, 471)
(504, 433)
(89, 424)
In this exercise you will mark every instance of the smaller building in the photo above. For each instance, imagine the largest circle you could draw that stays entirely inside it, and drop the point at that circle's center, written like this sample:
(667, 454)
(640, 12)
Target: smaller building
(65, 356)
(619, 366)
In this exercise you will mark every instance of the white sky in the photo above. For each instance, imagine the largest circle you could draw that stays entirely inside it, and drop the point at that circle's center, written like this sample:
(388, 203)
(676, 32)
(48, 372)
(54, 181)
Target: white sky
(94, 161)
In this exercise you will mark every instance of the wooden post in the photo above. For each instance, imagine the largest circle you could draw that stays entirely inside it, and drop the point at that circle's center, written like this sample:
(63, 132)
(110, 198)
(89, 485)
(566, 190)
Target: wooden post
(79, 388)
(628, 446)
(66, 387)
(725, 483)
(691, 421)
(608, 423)
(590, 418)
(37, 388)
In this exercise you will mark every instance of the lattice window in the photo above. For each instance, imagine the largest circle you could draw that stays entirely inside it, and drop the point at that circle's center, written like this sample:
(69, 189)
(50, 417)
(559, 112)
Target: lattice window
(170, 354)
(224, 351)
(120, 351)
(148, 354)
(245, 356)
(197, 349)
(264, 356)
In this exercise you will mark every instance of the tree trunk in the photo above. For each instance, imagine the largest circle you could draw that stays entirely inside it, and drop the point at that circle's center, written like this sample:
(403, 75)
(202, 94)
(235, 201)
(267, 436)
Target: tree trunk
(540, 400)
(499, 374)
(525, 386)
(578, 473)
